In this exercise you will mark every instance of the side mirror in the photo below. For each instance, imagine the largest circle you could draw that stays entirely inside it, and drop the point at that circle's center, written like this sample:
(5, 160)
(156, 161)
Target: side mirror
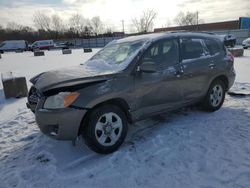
(148, 67)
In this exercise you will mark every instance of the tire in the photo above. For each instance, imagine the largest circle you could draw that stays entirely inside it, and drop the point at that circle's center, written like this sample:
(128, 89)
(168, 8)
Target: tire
(215, 96)
(106, 129)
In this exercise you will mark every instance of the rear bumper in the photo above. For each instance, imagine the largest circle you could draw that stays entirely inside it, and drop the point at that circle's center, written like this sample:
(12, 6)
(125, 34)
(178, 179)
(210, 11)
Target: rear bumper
(62, 124)
(231, 78)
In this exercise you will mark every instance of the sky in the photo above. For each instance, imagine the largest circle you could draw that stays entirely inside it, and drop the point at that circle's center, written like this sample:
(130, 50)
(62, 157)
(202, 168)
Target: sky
(112, 12)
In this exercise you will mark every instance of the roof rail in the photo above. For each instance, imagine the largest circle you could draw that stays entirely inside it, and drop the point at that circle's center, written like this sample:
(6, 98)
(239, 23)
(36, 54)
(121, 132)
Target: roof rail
(183, 31)
(205, 32)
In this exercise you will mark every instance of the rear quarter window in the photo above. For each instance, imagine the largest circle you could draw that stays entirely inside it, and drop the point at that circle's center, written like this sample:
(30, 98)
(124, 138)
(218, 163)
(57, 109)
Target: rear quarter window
(191, 48)
(213, 46)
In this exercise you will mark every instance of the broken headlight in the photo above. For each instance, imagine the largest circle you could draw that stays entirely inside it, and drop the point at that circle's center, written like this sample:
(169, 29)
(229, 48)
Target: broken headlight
(61, 100)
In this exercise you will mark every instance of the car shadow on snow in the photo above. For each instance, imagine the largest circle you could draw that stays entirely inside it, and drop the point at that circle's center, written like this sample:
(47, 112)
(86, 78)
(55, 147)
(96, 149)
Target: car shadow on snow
(161, 129)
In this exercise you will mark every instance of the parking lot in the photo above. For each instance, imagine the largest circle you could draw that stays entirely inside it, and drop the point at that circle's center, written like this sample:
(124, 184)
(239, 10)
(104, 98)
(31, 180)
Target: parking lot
(186, 148)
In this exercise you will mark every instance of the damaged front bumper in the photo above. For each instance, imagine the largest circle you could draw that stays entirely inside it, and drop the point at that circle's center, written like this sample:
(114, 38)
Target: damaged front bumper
(61, 124)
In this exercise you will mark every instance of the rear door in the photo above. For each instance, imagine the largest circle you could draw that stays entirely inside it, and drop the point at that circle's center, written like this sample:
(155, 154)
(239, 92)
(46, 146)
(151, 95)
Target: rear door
(197, 66)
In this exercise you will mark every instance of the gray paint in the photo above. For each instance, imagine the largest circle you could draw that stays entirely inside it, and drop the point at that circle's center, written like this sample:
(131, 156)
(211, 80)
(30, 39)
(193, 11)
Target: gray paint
(145, 94)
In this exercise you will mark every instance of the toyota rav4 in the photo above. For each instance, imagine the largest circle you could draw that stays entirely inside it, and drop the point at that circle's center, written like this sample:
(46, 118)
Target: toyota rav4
(128, 80)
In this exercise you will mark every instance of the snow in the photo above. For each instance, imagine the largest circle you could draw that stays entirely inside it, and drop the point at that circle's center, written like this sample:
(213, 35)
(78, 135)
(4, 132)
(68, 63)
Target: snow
(28, 65)
(187, 148)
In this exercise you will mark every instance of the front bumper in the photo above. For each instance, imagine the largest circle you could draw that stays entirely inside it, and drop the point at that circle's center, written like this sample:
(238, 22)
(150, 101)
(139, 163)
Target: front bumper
(63, 124)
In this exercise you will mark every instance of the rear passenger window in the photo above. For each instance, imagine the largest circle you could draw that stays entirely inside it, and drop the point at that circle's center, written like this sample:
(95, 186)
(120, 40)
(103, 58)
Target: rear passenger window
(212, 46)
(191, 49)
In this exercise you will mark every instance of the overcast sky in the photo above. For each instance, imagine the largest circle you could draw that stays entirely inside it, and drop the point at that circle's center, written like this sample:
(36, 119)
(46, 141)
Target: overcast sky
(113, 11)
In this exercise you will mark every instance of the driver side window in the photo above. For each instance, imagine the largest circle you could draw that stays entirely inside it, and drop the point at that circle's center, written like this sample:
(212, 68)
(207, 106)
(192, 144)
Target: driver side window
(152, 53)
(164, 53)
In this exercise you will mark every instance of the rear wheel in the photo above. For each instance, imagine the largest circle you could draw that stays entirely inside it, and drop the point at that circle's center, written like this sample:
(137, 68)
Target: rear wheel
(215, 96)
(106, 129)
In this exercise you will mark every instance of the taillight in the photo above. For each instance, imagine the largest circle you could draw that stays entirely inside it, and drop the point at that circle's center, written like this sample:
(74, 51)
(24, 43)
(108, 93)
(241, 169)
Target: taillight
(231, 56)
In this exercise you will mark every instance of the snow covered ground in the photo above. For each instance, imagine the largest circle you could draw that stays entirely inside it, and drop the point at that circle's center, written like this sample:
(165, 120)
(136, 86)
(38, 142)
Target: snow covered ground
(188, 148)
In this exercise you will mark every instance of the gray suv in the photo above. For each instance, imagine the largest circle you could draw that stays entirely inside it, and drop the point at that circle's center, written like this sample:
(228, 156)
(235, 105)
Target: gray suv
(128, 80)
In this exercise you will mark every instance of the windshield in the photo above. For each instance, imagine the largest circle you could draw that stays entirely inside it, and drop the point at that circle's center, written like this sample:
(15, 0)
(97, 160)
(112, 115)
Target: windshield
(116, 55)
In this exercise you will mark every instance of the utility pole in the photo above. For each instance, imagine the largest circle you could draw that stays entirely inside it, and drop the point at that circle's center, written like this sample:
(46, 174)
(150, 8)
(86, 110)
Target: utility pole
(123, 26)
(197, 21)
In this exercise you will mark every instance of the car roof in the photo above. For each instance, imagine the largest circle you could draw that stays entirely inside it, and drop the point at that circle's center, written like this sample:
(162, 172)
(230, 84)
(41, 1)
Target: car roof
(156, 36)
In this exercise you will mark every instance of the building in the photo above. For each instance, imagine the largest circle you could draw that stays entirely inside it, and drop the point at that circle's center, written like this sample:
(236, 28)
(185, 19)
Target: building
(228, 25)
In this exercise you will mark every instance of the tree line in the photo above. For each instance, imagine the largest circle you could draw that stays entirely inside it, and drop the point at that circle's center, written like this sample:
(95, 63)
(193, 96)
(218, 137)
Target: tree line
(54, 27)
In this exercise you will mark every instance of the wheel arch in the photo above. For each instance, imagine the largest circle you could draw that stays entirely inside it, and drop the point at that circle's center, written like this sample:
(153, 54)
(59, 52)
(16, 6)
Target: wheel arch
(115, 101)
(223, 78)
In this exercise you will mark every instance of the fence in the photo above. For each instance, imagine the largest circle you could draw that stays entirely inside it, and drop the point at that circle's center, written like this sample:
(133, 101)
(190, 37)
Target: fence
(240, 34)
(91, 42)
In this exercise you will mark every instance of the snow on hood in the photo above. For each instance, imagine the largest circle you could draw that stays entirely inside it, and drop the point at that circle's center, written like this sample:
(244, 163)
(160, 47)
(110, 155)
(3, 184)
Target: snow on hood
(67, 75)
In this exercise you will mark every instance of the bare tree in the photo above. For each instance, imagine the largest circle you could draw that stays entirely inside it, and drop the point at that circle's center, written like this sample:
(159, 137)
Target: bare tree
(57, 23)
(97, 25)
(109, 30)
(42, 21)
(145, 22)
(188, 18)
(13, 26)
(27, 29)
(77, 23)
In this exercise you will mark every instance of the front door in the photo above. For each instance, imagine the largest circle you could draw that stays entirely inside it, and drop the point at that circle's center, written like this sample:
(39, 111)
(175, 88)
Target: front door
(159, 90)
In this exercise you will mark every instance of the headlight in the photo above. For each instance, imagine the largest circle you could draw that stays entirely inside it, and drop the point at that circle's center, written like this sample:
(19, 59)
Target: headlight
(61, 100)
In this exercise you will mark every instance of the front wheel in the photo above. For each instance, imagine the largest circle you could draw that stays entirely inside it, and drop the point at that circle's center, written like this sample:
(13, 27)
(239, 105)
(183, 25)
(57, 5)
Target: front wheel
(215, 96)
(106, 129)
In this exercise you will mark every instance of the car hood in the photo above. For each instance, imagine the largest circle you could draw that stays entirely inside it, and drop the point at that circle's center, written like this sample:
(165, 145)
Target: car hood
(68, 77)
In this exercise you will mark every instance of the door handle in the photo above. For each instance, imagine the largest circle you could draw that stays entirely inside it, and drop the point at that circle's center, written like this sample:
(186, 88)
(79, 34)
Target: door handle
(211, 66)
(178, 73)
